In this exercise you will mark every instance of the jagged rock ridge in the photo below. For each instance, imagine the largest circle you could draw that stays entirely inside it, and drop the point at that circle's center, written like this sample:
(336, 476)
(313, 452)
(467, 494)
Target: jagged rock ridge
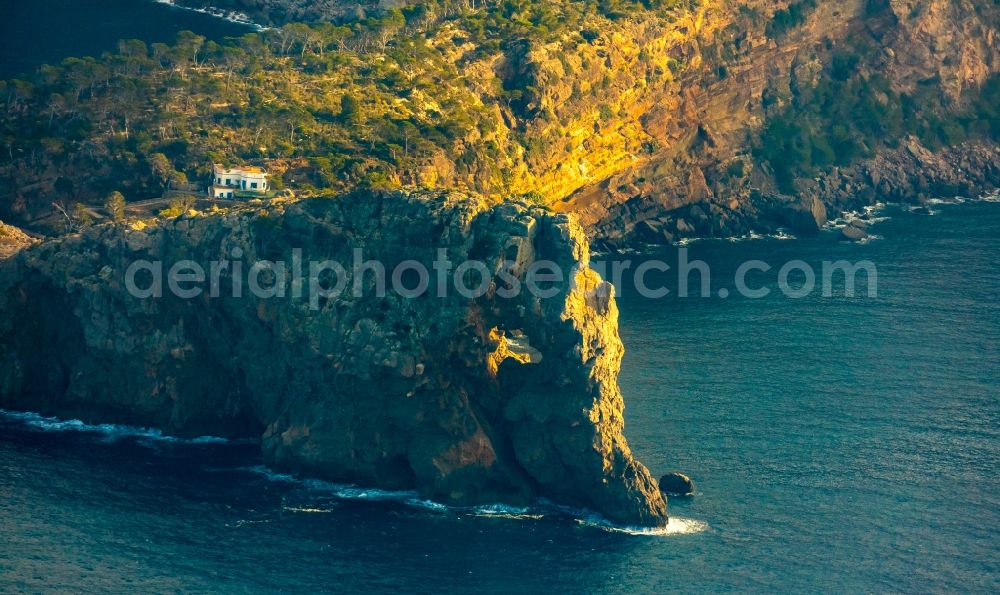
(466, 400)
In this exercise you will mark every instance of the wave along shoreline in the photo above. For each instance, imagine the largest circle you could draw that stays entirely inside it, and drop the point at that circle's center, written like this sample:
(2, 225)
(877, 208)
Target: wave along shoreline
(114, 432)
(239, 18)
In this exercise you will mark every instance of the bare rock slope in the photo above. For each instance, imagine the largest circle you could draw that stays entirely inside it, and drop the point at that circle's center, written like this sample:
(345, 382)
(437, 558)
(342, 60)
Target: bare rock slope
(12, 240)
(467, 400)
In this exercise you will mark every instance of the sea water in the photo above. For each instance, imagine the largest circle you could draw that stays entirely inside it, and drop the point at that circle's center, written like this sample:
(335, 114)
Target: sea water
(838, 443)
(37, 32)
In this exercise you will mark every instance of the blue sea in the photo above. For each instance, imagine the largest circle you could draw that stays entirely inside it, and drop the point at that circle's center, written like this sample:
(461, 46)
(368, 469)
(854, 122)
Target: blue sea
(37, 32)
(839, 444)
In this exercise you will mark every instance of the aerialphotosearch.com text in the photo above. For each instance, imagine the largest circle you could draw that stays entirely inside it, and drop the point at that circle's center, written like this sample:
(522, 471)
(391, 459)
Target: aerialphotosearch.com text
(321, 280)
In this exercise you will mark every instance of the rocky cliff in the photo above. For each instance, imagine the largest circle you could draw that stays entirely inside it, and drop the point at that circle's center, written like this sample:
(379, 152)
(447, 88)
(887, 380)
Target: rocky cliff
(466, 399)
(649, 120)
(703, 173)
(646, 126)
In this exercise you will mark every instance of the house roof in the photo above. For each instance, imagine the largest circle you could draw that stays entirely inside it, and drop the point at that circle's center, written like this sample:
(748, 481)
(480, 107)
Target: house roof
(245, 169)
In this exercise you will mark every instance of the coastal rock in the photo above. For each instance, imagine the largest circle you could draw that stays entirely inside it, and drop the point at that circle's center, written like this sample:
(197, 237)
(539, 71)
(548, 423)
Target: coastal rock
(697, 186)
(468, 400)
(684, 228)
(806, 214)
(853, 233)
(676, 484)
(654, 231)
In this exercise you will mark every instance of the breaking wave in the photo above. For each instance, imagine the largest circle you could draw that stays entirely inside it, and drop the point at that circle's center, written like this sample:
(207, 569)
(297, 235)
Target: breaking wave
(675, 526)
(232, 16)
(868, 215)
(109, 432)
(958, 200)
(781, 234)
(542, 509)
(505, 511)
(991, 197)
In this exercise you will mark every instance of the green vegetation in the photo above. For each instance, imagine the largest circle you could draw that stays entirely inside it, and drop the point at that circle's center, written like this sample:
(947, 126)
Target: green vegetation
(851, 112)
(114, 204)
(375, 102)
(491, 98)
(81, 215)
(179, 205)
(787, 19)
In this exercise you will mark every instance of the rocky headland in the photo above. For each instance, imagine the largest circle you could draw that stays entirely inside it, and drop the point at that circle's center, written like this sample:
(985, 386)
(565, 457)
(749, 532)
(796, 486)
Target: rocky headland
(467, 400)
(529, 128)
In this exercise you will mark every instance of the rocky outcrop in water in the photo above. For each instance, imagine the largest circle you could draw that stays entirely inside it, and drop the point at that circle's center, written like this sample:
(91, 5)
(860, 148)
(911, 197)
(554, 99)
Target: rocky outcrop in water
(676, 484)
(466, 399)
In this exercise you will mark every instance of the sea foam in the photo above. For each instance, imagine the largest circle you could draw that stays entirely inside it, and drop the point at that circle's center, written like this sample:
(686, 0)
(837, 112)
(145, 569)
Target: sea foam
(675, 526)
(542, 509)
(232, 16)
(109, 432)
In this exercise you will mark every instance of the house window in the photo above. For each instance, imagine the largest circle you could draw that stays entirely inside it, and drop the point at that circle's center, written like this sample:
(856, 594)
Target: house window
(229, 182)
(253, 184)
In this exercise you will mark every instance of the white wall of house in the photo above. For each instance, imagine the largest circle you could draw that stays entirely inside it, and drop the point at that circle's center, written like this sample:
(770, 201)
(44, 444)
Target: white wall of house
(244, 180)
(221, 191)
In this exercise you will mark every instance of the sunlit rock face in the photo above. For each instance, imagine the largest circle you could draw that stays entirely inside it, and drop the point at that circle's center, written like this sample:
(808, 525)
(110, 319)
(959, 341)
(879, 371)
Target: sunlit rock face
(12, 239)
(466, 399)
(648, 125)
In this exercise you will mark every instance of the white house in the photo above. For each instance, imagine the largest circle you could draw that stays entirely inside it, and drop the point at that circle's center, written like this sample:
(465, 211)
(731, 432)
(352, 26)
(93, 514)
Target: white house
(229, 182)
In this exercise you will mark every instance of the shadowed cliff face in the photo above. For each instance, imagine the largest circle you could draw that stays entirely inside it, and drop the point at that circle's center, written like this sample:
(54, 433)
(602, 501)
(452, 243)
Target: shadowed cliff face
(468, 400)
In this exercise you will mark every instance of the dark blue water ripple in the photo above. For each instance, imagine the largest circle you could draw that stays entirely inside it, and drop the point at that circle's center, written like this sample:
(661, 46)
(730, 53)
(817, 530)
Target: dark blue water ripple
(839, 444)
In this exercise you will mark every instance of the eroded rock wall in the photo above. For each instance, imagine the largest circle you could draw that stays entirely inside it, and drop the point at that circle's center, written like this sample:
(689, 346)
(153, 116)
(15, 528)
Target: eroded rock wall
(702, 127)
(468, 400)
